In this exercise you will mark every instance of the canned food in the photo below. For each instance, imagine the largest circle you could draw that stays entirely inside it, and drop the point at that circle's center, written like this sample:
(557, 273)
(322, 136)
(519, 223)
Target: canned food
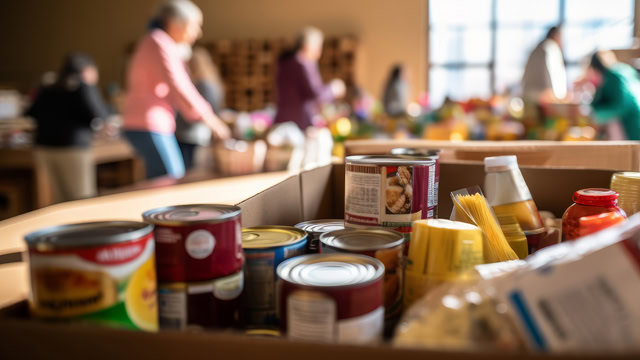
(389, 191)
(332, 298)
(263, 333)
(205, 304)
(315, 228)
(197, 242)
(384, 245)
(102, 273)
(432, 154)
(265, 247)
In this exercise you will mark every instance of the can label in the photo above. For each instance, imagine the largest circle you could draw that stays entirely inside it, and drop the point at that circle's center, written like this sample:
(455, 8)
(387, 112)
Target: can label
(112, 284)
(389, 196)
(208, 304)
(313, 316)
(260, 290)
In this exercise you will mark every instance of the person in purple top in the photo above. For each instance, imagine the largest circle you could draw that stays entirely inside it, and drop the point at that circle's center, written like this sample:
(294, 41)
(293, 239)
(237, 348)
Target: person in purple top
(300, 90)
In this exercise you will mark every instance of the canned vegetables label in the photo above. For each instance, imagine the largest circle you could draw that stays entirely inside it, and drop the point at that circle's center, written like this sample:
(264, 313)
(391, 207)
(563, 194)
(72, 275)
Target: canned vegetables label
(112, 284)
(313, 316)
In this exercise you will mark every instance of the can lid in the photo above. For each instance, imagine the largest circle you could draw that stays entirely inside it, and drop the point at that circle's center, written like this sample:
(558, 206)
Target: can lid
(394, 160)
(87, 234)
(596, 197)
(191, 214)
(331, 270)
(262, 237)
(321, 226)
(362, 239)
(415, 152)
(500, 163)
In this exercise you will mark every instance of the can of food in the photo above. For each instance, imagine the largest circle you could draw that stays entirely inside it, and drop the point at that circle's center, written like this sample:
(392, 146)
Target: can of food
(389, 191)
(384, 245)
(213, 304)
(265, 247)
(315, 228)
(332, 298)
(102, 273)
(197, 242)
(432, 154)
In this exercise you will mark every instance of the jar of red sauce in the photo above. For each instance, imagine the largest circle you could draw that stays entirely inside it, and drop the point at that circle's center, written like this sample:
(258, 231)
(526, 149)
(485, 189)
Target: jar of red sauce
(589, 202)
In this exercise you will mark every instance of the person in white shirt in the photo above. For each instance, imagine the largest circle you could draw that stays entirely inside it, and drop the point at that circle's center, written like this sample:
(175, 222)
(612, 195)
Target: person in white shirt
(545, 75)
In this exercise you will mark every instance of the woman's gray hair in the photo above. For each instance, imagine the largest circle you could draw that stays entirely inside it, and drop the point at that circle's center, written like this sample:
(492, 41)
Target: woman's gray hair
(179, 10)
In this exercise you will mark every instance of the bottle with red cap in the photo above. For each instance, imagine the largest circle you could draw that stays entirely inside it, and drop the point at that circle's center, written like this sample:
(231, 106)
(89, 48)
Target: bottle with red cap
(588, 203)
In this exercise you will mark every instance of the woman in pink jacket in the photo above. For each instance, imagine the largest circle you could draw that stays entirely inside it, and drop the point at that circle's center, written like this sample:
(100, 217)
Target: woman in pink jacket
(158, 85)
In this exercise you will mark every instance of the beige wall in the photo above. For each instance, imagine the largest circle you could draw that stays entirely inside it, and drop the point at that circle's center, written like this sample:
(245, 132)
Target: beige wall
(35, 34)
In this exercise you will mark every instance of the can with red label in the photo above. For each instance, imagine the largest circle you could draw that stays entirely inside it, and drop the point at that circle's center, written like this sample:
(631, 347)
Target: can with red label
(390, 191)
(332, 298)
(384, 245)
(432, 154)
(315, 228)
(197, 242)
(99, 273)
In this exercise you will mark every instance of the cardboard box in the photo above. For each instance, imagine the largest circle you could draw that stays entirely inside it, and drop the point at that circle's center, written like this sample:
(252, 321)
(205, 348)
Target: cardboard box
(610, 155)
(318, 193)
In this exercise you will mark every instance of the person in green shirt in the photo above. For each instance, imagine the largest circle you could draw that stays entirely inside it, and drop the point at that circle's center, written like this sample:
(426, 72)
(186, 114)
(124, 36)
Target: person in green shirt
(617, 96)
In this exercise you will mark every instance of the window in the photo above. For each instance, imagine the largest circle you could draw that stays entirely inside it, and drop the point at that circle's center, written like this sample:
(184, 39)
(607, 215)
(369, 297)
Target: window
(480, 47)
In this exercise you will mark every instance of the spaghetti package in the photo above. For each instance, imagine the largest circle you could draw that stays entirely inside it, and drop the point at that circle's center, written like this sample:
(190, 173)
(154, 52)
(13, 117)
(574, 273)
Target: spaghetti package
(580, 296)
(470, 206)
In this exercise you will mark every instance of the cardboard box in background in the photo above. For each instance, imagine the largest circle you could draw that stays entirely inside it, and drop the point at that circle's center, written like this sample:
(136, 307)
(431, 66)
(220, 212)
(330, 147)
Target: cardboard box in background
(610, 155)
(318, 193)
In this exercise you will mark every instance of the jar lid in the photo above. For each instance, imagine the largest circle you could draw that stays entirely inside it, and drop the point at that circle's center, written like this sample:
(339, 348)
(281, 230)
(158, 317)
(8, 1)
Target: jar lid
(500, 163)
(596, 197)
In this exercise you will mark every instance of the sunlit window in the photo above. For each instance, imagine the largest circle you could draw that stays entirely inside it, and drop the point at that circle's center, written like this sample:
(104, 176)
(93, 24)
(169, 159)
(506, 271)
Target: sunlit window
(480, 47)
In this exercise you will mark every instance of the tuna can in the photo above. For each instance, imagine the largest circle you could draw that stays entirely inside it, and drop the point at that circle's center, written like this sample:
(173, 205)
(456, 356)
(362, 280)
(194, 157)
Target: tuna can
(197, 242)
(384, 245)
(265, 247)
(332, 298)
(315, 228)
(204, 304)
(390, 191)
(432, 154)
(101, 273)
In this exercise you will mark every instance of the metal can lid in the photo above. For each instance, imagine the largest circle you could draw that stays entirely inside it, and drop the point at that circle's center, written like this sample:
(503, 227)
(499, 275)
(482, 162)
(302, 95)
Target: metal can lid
(362, 239)
(416, 152)
(269, 333)
(331, 270)
(262, 237)
(87, 234)
(321, 226)
(191, 214)
(395, 160)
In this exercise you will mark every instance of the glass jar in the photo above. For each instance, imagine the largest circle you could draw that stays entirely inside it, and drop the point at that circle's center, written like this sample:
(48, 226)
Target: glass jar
(587, 203)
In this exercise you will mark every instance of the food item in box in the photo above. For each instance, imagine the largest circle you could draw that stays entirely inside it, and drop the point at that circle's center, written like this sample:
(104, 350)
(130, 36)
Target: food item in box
(627, 184)
(389, 191)
(588, 202)
(514, 234)
(197, 242)
(101, 273)
(265, 247)
(443, 251)
(474, 209)
(508, 194)
(384, 245)
(332, 298)
(213, 304)
(315, 228)
(431, 154)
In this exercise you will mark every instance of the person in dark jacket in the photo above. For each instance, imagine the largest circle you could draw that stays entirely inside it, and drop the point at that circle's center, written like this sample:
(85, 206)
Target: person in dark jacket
(64, 113)
(396, 92)
(299, 86)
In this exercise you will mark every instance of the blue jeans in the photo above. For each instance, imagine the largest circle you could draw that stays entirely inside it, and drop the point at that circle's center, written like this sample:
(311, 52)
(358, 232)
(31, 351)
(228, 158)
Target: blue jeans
(160, 152)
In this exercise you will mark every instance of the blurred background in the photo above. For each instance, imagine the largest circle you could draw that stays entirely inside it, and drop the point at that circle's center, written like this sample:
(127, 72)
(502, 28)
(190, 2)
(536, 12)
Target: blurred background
(100, 97)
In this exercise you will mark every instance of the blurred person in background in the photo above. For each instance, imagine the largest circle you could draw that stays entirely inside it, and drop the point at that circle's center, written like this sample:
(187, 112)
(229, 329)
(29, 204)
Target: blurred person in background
(158, 84)
(300, 96)
(545, 76)
(396, 92)
(206, 78)
(617, 94)
(64, 112)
